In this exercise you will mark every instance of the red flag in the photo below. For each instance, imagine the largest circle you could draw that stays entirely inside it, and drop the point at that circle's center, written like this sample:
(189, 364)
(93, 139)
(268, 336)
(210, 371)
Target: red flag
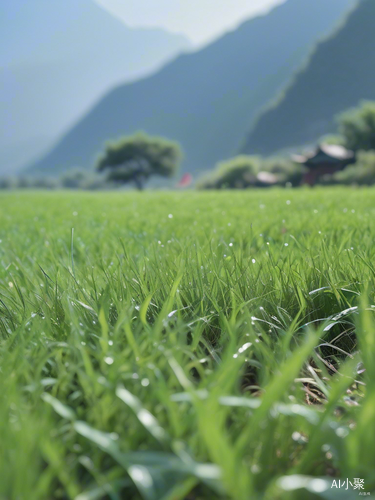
(185, 181)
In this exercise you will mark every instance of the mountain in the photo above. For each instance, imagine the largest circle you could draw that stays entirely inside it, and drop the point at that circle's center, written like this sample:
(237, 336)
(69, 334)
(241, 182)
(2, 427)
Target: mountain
(340, 73)
(56, 59)
(206, 100)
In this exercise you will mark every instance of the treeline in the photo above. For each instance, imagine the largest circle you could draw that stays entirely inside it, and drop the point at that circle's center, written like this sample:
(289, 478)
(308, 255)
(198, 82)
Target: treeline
(73, 179)
(137, 158)
(244, 172)
(356, 132)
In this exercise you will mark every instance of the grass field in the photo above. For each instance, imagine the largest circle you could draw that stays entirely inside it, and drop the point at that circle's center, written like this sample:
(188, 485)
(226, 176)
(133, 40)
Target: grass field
(187, 346)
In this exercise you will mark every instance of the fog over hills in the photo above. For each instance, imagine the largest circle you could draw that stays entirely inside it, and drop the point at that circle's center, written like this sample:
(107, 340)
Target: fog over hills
(56, 59)
(206, 100)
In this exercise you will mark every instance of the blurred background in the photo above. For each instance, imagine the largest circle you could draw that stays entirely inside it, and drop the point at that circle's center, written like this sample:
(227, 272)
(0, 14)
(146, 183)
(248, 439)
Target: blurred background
(250, 91)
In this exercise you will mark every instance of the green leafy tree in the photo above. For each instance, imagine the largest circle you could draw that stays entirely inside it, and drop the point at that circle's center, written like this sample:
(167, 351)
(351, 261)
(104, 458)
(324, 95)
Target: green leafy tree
(362, 173)
(237, 173)
(138, 157)
(357, 126)
(286, 171)
(244, 171)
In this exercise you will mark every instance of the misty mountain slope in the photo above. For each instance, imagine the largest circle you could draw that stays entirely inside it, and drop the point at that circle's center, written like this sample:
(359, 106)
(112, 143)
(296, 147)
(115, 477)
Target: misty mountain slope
(340, 73)
(58, 57)
(205, 100)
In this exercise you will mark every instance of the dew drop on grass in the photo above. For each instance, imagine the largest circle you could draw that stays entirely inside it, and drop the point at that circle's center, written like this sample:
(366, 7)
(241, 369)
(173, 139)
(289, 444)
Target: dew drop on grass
(288, 202)
(135, 376)
(253, 261)
(170, 216)
(244, 347)
(110, 342)
(145, 382)
(286, 244)
(109, 360)
(342, 432)
(230, 244)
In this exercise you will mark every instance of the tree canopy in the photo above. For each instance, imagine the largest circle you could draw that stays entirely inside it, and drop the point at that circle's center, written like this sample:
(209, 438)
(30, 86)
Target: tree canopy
(237, 173)
(357, 127)
(246, 171)
(362, 173)
(138, 157)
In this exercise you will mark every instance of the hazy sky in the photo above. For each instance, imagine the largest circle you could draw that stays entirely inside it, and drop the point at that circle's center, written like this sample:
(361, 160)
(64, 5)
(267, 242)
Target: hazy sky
(200, 20)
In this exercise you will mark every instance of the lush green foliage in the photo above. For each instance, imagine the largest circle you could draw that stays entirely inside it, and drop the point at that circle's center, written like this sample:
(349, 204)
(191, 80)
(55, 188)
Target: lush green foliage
(362, 173)
(288, 172)
(357, 127)
(238, 173)
(138, 157)
(202, 346)
(245, 171)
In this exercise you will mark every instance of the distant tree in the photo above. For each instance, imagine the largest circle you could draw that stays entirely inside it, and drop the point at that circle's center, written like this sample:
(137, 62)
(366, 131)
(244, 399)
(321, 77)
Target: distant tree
(138, 157)
(8, 183)
(73, 179)
(357, 126)
(45, 183)
(362, 173)
(238, 173)
(287, 171)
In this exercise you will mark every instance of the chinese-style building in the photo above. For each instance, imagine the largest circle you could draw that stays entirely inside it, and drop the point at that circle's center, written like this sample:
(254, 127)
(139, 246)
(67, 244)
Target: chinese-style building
(324, 159)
